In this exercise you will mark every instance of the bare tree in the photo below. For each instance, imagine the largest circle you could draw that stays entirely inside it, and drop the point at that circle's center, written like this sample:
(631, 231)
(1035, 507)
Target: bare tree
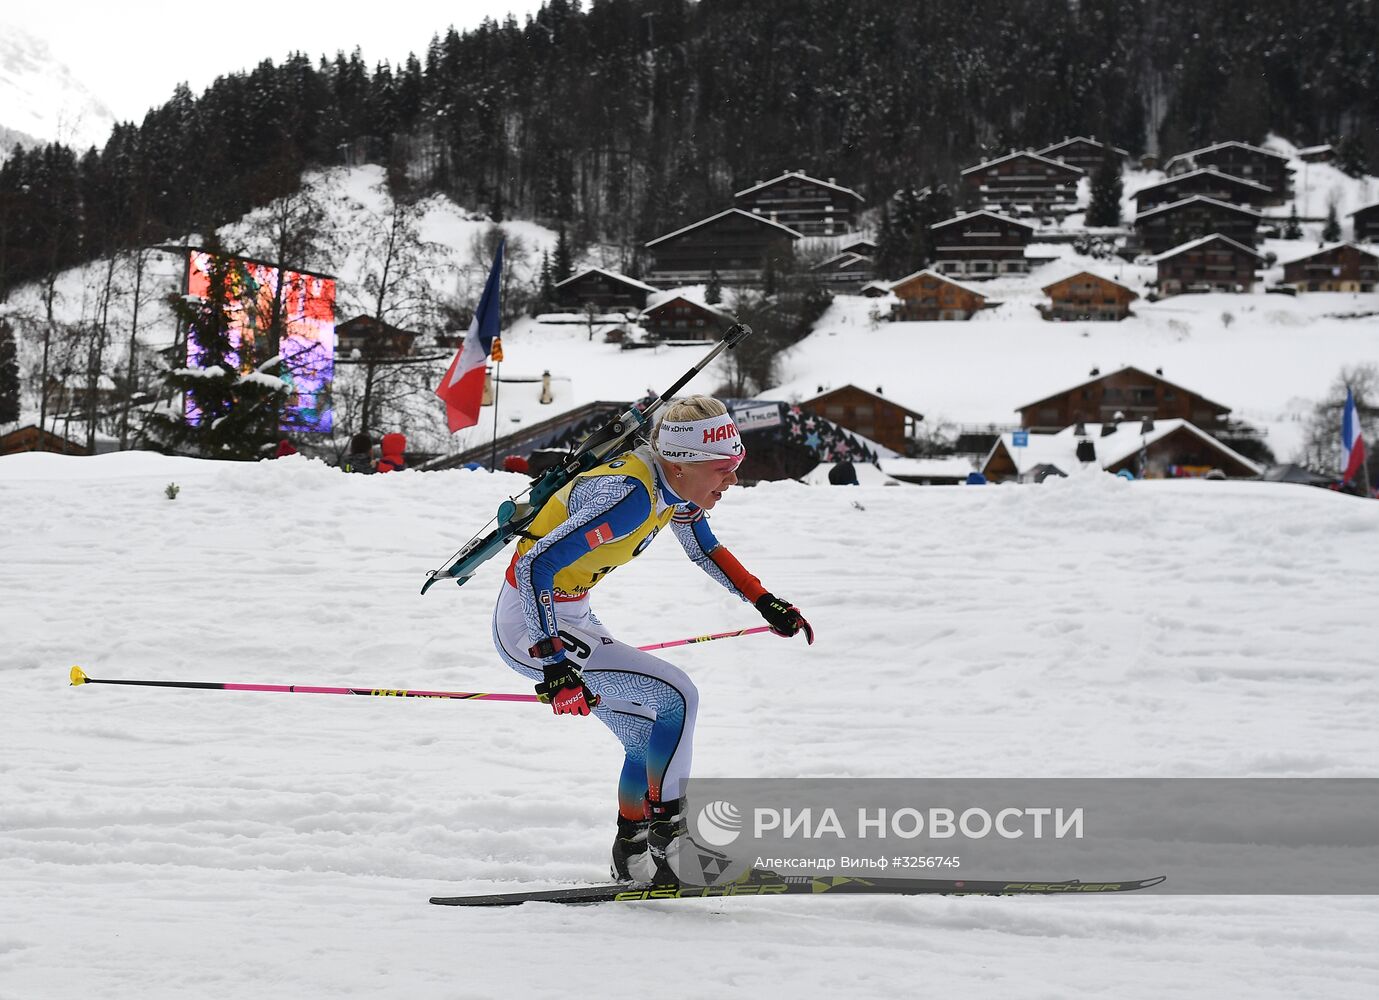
(397, 288)
(1322, 438)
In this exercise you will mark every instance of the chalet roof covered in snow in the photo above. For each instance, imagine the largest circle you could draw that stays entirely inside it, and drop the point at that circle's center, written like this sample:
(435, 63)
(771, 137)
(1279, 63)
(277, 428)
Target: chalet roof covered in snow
(1081, 138)
(1060, 450)
(1200, 171)
(1202, 241)
(1194, 153)
(1124, 368)
(1329, 248)
(1025, 152)
(613, 275)
(972, 215)
(947, 279)
(714, 218)
(1174, 205)
(798, 175)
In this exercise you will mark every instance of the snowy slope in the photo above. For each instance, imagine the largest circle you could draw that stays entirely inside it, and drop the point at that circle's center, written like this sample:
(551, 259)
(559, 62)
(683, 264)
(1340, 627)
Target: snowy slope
(164, 843)
(40, 96)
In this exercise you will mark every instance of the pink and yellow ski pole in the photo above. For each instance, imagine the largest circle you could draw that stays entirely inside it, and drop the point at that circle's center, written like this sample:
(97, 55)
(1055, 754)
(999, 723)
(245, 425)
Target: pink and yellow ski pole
(78, 677)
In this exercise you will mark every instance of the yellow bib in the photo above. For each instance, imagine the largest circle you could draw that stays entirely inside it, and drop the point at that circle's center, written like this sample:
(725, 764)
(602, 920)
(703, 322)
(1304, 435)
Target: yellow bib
(607, 554)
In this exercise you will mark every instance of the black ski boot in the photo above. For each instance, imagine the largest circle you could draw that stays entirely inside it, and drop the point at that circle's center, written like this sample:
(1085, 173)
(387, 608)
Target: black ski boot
(665, 822)
(629, 850)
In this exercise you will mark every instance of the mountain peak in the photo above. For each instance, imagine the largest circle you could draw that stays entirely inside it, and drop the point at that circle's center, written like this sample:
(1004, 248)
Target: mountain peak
(41, 98)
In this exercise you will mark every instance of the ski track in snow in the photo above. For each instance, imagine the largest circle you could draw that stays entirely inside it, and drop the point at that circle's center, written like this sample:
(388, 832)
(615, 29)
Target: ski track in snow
(164, 843)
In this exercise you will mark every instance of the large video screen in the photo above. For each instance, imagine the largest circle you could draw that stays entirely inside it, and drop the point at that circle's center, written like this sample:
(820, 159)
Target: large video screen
(307, 344)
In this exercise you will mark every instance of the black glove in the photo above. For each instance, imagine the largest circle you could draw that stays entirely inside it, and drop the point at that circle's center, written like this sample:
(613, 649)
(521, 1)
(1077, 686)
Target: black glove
(784, 618)
(565, 691)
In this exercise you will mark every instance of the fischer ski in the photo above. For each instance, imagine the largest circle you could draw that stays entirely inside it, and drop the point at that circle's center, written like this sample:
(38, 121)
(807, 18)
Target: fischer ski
(800, 885)
(516, 513)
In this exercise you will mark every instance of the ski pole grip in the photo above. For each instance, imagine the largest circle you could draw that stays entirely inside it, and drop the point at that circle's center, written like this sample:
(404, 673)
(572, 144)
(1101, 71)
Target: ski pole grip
(736, 334)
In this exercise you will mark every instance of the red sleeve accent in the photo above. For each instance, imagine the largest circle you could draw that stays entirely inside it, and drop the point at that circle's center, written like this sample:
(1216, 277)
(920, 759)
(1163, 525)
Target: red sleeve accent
(745, 582)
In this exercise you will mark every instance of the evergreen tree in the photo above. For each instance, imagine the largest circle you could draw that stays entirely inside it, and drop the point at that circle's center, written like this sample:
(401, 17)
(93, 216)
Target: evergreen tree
(1292, 230)
(1351, 158)
(547, 283)
(1107, 186)
(713, 291)
(230, 405)
(1331, 232)
(9, 375)
(564, 259)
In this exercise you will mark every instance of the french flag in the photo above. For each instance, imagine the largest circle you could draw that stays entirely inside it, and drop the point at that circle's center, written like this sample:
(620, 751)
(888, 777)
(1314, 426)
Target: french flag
(463, 385)
(1352, 441)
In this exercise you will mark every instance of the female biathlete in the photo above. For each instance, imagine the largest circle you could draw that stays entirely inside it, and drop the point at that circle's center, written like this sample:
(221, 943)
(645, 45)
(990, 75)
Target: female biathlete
(545, 630)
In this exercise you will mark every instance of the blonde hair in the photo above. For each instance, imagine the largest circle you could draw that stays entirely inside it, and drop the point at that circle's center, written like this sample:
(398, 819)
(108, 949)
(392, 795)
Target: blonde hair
(698, 407)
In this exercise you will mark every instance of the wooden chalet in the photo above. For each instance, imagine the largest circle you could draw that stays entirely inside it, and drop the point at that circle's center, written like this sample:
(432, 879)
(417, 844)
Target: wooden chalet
(1130, 391)
(1082, 152)
(1087, 296)
(1022, 183)
(1240, 159)
(681, 318)
(981, 245)
(928, 295)
(606, 290)
(372, 338)
(867, 413)
(809, 206)
(845, 272)
(734, 243)
(1212, 263)
(1159, 449)
(1168, 226)
(1366, 223)
(32, 438)
(865, 247)
(1341, 267)
(1207, 181)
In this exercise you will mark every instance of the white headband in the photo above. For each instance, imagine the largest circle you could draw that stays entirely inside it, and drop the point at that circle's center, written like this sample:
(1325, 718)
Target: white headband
(709, 440)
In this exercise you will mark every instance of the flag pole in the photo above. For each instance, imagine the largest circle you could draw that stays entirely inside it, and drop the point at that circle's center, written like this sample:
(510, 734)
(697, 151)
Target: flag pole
(497, 384)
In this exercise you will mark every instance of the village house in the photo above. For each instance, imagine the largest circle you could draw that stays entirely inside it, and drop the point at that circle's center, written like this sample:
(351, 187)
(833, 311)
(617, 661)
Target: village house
(1145, 449)
(1240, 159)
(1130, 391)
(1340, 267)
(1022, 183)
(1082, 152)
(869, 414)
(605, 290)
(1212, 263)
(1087, 296)
(981, 245)
(31, 438)
(845, 272)
(1168, 226)
(372, 338)
(928, 295)
(1366, 223)
(809, 206)
(681, 318)
(737, 245)
(863, 247)
(1209, 182)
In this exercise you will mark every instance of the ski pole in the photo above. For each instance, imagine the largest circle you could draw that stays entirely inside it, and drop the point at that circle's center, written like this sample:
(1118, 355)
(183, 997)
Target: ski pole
(79, 677)
(705, 638)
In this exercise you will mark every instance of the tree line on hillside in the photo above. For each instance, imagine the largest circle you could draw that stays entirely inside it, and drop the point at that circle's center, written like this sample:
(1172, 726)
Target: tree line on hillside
(623, 119)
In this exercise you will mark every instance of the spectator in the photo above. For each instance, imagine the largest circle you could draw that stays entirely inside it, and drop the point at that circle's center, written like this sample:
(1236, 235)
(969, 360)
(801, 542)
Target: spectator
(393, 447)
(285, 447)
(515, 463)
(359, 458)
(842, 473)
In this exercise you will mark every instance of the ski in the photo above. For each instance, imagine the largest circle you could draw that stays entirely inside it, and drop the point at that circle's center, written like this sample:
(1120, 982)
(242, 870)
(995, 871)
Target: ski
(799, 885)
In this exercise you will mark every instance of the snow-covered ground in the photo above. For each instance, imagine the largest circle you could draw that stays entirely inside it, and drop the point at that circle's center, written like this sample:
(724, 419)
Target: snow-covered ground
(165, 843)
